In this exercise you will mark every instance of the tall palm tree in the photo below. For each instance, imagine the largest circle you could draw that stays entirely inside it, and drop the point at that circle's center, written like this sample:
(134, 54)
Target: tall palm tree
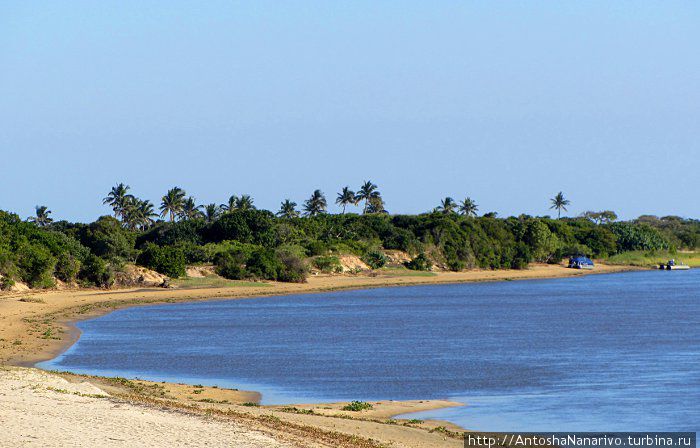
(346, 197)
(367, 191)
(211, 212)
(447, 206)
(288, 209)
(376, 205)
(190, 209)
(468, 207)
(559, 203)
(172, 203)
(316, 204)
(138, 214)
(244, 202)
(118, 198)
(230, 205)
(42, 216)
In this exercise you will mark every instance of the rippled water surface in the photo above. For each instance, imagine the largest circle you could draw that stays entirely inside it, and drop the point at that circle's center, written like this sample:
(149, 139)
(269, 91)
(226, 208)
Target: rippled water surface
(609, 352)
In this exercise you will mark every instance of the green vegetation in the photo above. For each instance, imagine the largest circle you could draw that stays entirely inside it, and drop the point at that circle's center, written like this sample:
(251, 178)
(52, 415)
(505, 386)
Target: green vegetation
(357, 406)
(328, 264)
(419, 263)
(248, 244)
(654, 258)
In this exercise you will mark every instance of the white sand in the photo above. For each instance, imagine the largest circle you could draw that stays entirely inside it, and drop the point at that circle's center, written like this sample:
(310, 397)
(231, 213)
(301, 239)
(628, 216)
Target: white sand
(32, 414)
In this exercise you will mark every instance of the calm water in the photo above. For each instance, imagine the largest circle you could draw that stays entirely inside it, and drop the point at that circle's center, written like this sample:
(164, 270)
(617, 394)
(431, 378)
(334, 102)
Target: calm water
(610, 352)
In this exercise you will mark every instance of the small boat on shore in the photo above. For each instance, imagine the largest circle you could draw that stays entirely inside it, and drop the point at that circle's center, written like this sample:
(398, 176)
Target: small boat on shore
(581, 263)
(673, 266)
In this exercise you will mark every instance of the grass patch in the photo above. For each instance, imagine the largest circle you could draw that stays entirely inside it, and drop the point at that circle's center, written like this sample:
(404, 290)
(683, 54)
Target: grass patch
(214, 282)
(295, 410)
(250, 404)
(357, 406)
(654, 258)
(403, 272)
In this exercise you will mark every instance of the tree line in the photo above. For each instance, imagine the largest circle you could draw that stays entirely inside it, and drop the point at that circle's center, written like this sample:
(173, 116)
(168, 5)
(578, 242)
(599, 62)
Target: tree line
(245, 242)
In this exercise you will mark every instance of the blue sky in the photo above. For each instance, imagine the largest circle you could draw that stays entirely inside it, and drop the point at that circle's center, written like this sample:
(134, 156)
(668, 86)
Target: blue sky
(506, 102)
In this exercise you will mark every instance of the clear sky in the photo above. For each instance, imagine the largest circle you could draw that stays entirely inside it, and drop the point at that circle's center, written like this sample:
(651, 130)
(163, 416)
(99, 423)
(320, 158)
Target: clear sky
(507, 102)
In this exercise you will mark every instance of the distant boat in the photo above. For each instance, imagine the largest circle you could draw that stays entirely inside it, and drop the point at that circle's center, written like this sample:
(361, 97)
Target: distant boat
(581, 263)
(673, 266)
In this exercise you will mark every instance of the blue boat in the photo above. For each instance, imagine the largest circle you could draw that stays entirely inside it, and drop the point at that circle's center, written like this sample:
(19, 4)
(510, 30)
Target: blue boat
(581, 263)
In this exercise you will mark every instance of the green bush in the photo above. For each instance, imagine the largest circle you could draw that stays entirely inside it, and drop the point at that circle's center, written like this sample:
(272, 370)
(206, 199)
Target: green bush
(6, 283)
(263, 264)
(357, 406)
(375, 259)
(419, 263)
(95, 271)
(315, 248)
(292, 269)
(36, 266)
(328, 264)
(167, 260)
(67, 268)
(231, 265)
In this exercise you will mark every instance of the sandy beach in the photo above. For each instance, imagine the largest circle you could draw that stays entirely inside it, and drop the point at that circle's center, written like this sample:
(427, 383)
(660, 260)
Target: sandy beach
(38, 325)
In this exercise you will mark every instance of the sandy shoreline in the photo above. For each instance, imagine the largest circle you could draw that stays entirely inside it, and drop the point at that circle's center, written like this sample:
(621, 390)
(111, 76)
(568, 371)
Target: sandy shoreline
(37, 326)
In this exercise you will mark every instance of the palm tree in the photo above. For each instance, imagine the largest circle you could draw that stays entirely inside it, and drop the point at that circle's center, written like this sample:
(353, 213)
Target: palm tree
(316, 204)
(447, 206)
(190, 209)
(559, 203)
(288, 209)
(367, 192)
(245, 202)
(230, 205)
(346, 197)
(42, 216)
(468, 207)
(211, 212)
(146, 213)
(172, 203)
(138, 214)
(376, 205)
(118, 198)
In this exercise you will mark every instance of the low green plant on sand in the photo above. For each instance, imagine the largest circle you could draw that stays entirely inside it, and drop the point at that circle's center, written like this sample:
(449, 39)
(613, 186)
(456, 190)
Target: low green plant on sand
(357, 406)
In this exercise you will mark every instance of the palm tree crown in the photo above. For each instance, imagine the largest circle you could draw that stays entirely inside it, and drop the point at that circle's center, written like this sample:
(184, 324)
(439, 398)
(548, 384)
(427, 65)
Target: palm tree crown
(346, 197)
(447, 205)
(468, 207)
(366, 193)
(316, 204)
(211, 212)
(190, 209)
(172, 203)
(118, 199)
(245, 202)
(288, 209)
(42, 216)
(559, 203)
(138, 214)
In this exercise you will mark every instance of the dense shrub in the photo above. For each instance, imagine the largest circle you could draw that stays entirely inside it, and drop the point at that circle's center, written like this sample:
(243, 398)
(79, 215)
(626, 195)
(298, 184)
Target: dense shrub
(292, 269)
(67, 267)
(36, 265)
(231, 265)
(260, 263)
(328, 264)
(107, 238)
(95, 271)
(419, 263)
(637, 237)
(168, 260)
(375, 259)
